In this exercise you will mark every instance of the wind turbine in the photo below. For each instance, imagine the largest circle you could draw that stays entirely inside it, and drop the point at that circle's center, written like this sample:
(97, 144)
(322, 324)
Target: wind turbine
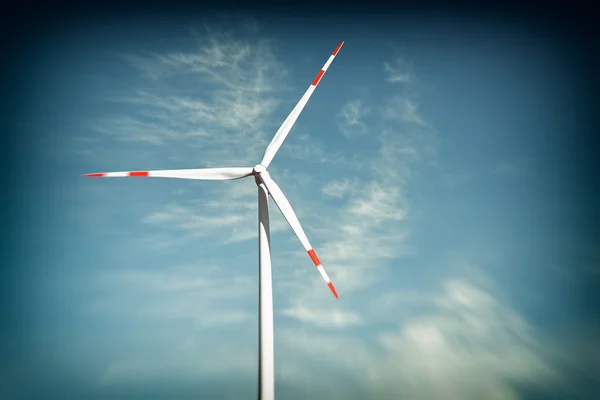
(266, 186)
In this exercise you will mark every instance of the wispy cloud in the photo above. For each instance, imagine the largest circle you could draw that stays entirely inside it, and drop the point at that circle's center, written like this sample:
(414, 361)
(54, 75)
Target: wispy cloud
(398, 71)
(405, 109)
(208, 107)
(469, 334)
(350, 119)
(310, 150)
(181, 217)
(340, 188)
(227, 220)
(181, 292)
(463, 344)
(323, 318)
(240, 79)
(188, 361)
(359, 239)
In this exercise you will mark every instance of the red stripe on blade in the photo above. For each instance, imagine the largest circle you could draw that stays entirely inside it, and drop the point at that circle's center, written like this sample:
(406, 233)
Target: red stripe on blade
(96, 175)
(138, 173)
(333, 290)
(318, 78)
(337, 49)
(314, 257)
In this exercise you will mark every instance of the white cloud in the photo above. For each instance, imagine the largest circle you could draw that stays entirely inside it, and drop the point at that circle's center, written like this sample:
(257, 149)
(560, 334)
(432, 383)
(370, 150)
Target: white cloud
(310, 150)
(205, 281)
(188, 362)
(350, 119)
(206, 108)
(340, 188)
(358, 240)
(381, 203)
(217, 99)
(469, 346)
(323, 318)
(230, 218)
(181, 217)
(399, 71)
(404, 109)
(171, 294)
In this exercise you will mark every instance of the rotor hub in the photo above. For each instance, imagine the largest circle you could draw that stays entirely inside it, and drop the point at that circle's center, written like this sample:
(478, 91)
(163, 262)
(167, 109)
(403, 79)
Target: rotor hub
(259, 168)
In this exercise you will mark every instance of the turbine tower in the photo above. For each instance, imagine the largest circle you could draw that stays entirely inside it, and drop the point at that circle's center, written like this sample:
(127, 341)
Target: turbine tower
(266, 187)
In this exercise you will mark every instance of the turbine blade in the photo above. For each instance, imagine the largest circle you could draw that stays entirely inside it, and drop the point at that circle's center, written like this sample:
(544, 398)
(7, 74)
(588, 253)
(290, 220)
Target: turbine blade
(289, 122)
(288, 212)
(219, 174)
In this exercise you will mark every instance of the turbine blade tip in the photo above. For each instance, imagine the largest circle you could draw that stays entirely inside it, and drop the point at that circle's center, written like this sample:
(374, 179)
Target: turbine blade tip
(332, 288)
(337, 49)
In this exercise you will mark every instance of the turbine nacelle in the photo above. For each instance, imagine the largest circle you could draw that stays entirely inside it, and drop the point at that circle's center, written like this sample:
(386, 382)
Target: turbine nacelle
(258, 169)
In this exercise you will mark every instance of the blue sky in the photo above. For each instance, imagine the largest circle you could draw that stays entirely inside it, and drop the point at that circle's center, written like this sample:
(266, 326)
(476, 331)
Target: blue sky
(430, 171)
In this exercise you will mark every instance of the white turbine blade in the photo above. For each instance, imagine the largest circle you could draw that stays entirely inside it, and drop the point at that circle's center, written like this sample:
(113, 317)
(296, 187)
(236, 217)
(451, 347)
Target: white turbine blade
(218, 174)
(289, 122)
(288, 212)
